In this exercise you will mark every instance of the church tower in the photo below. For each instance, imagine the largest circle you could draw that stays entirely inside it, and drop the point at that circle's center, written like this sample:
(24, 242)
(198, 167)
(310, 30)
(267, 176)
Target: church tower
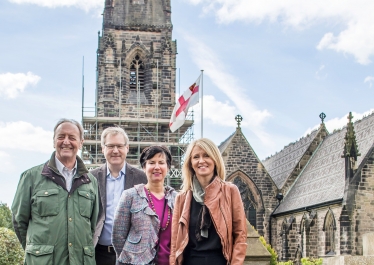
(136, 76)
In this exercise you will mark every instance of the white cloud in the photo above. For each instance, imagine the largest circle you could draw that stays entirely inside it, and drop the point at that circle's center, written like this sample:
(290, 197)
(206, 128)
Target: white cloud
(82, 4)
(220, 113)
(22, 135)
(356, 38)
(370, 80)
(6, 163)
(338, 123)
(13, 84)
(205, 58)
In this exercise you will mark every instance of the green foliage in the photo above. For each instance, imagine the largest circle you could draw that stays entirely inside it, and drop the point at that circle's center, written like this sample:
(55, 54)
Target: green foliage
(11, 252)
(308, 261)
(5, 216)
(285, 263)
(274, 255)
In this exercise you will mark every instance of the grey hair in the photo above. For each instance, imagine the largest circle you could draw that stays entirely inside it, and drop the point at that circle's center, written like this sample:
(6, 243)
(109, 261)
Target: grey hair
(63, 120)
(114, 131)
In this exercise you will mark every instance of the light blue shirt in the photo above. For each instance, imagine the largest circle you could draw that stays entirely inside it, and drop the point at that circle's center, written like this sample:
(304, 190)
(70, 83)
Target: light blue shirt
(66, 173)
(114, 189)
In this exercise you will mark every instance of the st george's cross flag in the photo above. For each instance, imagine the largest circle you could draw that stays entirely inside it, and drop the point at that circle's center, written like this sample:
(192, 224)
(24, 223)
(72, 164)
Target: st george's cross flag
(189, 98)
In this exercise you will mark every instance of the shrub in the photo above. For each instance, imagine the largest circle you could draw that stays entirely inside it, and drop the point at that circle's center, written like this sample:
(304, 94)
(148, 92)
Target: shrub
(307, 261)
(5, 216)
(274, 255)
(285, 263)
(11, 252)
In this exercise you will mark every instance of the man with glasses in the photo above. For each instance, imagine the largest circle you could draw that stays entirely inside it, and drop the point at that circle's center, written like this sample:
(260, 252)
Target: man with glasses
(113, 177)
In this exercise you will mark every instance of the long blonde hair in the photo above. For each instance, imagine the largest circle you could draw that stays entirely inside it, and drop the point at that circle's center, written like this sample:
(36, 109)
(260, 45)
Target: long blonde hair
(212, 150)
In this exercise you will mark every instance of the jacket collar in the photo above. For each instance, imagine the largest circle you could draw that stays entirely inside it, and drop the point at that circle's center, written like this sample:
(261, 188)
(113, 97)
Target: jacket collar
(50, 171)
(81, 168)
(140, 190)
(212, 190)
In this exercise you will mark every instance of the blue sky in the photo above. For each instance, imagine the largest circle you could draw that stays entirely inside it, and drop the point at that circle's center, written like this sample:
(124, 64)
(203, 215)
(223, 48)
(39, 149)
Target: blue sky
(278, 64)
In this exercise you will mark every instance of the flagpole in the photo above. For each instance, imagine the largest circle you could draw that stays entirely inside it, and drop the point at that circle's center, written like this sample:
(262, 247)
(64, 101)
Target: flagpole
(202, 94)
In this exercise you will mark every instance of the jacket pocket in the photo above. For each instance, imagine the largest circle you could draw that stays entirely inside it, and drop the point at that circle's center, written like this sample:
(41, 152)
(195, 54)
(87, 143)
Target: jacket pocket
(89, 255)
(85, 203)
(138, 217)
(134, 238)
(47, 202)
(39, 254)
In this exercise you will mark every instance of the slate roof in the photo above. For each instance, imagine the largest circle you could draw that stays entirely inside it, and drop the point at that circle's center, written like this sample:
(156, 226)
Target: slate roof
(222, 147)
(280, 165)
(323, 178)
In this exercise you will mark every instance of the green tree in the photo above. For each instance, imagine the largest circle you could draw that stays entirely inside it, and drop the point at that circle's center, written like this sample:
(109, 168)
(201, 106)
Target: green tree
(5, 216)
(309, 261)
(11, 252)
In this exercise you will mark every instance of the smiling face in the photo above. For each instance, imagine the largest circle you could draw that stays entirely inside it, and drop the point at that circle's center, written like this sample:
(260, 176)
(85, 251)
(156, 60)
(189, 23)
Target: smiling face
(115, 150)
(156, 168)
(201, 163)
(67, 142)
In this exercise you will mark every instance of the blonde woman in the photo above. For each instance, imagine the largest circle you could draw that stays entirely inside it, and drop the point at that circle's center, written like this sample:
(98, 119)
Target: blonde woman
(142, 221)
(209, 223)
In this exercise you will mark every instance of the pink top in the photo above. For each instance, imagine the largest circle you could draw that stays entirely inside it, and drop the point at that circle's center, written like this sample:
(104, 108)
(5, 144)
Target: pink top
(165, 236)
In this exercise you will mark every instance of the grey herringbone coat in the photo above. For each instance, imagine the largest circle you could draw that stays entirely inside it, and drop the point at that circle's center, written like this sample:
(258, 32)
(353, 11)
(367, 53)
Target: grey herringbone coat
(135, 226)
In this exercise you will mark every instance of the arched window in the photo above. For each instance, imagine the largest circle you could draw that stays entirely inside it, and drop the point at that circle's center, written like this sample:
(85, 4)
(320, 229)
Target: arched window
(284, 240)
(248, 201)
(329, 228)
(136, 73)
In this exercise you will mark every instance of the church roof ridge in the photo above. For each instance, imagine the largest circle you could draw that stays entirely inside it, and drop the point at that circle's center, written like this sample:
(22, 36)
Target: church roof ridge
(281, 165)
(290, 144)
(323, 178)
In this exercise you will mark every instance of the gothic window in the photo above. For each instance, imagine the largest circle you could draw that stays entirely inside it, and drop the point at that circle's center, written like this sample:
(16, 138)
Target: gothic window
(136, 73)
(251, 215)
(284, 241)
(248, 201)
(329, 228)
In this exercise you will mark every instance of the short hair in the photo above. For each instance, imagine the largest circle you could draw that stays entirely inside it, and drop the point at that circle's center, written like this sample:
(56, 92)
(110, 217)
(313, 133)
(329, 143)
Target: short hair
(114, 131)
(63, 120)
(151, 151)
(212, 151)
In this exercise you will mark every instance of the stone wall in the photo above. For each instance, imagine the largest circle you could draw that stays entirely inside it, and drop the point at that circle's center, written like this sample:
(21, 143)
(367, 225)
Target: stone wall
(363, 216)
(314, 236)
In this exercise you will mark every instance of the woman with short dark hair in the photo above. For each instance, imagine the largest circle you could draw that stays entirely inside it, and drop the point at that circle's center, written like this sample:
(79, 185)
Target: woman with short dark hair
(142, 222)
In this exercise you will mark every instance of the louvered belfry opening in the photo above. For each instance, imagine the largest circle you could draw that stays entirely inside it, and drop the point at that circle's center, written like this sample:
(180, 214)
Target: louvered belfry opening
(137, 73)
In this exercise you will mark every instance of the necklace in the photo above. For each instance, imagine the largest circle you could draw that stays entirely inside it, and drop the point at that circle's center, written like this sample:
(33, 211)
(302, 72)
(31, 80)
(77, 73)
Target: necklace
(154, 209)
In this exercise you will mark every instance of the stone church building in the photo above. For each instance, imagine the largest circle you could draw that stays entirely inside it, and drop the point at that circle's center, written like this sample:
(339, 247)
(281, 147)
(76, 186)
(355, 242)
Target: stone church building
(313, 198)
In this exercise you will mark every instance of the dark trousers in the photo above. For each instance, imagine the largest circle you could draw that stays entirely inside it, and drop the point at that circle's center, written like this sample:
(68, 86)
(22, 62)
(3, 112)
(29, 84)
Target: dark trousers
(105, 255)
(204, 258)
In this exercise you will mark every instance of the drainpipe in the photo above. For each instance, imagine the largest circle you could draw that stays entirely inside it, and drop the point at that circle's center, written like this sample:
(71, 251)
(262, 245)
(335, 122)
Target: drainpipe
(279, 198)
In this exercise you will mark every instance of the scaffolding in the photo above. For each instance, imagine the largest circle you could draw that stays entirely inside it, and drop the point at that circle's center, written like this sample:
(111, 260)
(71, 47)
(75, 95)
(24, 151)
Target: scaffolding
(142, 132)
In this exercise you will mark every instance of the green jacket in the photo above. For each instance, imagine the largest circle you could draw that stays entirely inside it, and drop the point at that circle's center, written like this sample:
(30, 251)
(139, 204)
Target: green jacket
(53, 225)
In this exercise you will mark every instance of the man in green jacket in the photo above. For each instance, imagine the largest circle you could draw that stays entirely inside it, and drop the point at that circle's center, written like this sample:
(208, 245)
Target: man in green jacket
(56, 204)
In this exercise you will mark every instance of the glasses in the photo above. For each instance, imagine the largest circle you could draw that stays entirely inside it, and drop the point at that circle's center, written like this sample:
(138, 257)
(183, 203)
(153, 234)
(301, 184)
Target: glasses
(112, 146)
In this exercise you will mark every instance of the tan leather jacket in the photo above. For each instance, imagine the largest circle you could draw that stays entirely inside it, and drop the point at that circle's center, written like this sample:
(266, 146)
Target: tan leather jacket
(226, 209)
